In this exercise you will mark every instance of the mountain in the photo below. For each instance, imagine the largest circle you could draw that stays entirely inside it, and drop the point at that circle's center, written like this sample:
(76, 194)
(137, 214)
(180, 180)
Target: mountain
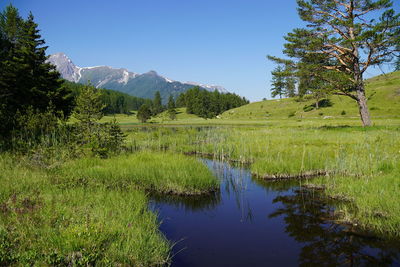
(141, 85)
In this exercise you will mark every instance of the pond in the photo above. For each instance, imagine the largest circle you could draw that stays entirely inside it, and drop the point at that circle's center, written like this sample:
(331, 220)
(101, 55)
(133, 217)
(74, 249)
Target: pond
(257, 223)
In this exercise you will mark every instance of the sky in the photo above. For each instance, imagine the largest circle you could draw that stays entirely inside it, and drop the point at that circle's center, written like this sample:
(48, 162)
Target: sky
(219, 42)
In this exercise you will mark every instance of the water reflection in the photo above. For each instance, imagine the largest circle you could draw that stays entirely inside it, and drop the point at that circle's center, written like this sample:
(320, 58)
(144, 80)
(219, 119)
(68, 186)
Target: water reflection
(192, 203)
(253, 222)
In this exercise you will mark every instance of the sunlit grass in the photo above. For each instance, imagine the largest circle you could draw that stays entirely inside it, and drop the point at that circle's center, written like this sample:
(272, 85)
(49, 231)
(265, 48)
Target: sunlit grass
(159, 172)
(91, 211)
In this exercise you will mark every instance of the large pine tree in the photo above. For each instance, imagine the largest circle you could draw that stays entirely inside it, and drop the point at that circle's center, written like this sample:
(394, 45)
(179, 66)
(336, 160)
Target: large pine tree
(351, 37)
(27, 82)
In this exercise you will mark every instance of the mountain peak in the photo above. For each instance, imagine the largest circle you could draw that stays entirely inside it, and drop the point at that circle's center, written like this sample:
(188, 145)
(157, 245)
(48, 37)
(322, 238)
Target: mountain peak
(120, 79)
(151, 72)
(65, 66)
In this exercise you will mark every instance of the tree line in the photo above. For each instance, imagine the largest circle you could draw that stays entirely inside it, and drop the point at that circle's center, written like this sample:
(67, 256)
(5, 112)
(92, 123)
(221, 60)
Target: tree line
(115, 102)
(343, 38)
(155, 107)
(207, 104)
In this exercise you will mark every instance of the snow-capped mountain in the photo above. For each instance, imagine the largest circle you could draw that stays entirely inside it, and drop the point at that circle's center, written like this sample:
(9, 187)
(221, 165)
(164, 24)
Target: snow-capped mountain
(142, 85)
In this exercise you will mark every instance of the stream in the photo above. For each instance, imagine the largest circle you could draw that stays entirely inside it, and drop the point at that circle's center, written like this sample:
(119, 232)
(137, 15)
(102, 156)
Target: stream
(252, 222)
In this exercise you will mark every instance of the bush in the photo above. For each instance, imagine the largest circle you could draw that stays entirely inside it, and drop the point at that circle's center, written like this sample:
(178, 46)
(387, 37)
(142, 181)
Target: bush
(109, 139)
(343, 113)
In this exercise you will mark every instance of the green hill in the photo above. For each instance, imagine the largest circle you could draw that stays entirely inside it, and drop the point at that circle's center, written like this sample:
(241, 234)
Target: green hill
(383, 101)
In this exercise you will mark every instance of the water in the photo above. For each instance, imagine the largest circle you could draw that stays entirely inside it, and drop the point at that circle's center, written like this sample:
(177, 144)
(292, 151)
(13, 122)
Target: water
(257, 223)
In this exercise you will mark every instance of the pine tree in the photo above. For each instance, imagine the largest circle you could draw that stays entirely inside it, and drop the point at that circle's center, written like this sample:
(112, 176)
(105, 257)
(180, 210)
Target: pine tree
(88, 110)
(157, 105)
(144, 113)
(171, 102)
(278, 82)
(26, 80)
(349, 35)
(171, 108)
(10, 28)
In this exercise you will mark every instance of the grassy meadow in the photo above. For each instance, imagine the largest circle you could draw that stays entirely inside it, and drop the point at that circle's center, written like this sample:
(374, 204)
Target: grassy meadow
(93, 211)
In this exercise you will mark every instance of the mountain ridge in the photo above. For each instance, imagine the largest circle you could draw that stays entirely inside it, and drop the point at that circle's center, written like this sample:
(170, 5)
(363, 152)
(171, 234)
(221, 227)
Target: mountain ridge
(121, 79)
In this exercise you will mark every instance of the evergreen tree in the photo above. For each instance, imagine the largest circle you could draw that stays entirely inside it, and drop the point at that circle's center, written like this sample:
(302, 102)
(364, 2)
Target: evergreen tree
(144, 113)
(278, 82)
(171, 102)
(26, 80)
(171, 108)
(346, 32)
(88, 110)
(157, 105)
(10, 28)
(397, 62)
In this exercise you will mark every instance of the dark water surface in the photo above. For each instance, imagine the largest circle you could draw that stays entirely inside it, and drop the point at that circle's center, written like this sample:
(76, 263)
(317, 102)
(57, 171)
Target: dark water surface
(257, 223)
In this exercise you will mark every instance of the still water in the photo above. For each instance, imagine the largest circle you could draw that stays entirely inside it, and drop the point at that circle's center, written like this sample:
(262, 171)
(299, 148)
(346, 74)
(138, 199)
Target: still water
(257, 223)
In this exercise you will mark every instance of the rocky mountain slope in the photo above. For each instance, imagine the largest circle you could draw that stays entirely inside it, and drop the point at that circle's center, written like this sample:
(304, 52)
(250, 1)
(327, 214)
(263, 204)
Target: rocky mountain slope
(141, 85)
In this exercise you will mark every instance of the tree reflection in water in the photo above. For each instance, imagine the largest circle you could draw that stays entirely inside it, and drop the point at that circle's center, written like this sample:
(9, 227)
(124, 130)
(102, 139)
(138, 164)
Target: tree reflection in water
(308, 221)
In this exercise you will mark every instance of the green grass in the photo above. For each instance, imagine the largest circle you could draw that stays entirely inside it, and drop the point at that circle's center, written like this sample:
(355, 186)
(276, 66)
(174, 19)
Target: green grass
(158, 172)
(383, 94)
(91, 211)
(373, 201)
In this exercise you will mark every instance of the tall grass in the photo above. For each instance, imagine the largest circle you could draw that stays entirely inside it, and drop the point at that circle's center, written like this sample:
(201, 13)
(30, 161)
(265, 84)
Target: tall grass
(42, 224)
(283, 150)
(372, 201)
(159, 172)
(91, 211)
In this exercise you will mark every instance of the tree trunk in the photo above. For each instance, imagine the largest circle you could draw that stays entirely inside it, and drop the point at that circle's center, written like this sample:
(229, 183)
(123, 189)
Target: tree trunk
(362, 106)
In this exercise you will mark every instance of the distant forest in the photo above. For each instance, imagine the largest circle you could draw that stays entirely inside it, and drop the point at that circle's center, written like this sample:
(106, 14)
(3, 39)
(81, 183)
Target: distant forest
(115, 102)
(209, 104)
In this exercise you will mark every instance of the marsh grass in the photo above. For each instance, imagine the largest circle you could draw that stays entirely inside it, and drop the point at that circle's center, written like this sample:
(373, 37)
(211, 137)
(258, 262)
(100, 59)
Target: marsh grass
(373, 201)
(42, 224)
(367, 158)
(279, 150)
(159, 172)
(91, 211)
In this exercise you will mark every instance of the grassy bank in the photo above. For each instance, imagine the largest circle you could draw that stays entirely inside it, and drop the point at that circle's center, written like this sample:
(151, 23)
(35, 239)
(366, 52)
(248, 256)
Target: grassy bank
(371, 201)
(161, 173)
(90, 211)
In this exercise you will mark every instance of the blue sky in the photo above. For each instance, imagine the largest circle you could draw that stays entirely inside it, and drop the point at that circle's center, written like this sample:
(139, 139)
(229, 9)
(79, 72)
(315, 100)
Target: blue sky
(223, 42)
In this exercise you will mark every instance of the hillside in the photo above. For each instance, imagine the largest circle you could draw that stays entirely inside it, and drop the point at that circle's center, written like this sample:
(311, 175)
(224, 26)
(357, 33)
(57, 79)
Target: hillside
(383, 101)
